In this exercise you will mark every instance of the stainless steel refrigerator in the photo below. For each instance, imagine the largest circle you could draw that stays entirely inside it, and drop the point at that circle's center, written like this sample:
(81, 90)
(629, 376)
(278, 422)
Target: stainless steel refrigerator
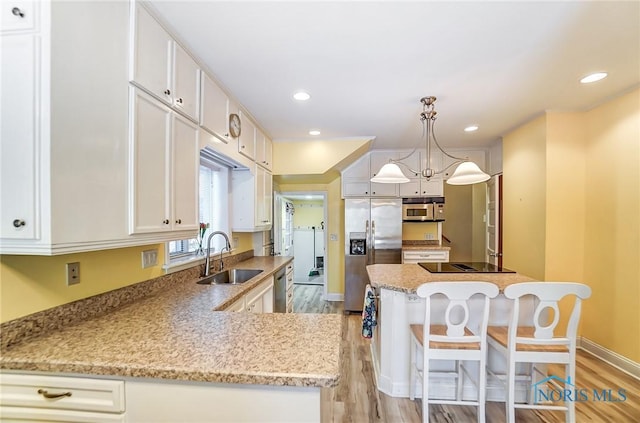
(373, 234)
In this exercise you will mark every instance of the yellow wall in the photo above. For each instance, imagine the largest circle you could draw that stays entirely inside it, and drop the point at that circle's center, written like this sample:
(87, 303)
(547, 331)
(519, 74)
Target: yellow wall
(334, 225)
(314, 157)
(29, 284)
(458, 222)
(524, 186)
(612, 225)
(419, 231)
(307, 214)
(572, 212)
(34, 283)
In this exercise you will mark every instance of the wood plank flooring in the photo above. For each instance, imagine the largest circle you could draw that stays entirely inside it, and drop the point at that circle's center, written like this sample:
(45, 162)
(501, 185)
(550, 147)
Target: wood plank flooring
(356, 398)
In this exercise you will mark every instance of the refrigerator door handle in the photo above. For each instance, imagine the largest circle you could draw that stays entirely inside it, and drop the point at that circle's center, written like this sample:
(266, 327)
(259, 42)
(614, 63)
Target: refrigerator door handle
(367, 240)
(373, 234)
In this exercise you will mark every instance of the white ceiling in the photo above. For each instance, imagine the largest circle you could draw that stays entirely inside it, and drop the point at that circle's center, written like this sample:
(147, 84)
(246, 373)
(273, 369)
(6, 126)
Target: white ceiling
(367, 64)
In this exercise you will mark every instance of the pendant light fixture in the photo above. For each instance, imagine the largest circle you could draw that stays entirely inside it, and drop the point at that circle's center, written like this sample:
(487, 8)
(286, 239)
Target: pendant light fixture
(467, 172)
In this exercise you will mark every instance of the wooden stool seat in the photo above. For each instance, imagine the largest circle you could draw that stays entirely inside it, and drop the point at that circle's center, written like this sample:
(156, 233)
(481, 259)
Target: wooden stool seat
(501, 335)
(441, 330)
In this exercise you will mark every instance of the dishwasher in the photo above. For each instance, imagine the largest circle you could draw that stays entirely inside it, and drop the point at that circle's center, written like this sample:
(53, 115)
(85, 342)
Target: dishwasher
(280, 291)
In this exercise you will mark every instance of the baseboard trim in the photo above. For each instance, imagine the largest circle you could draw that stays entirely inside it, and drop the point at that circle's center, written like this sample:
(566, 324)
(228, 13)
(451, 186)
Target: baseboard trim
(611, 357)
(334, 297)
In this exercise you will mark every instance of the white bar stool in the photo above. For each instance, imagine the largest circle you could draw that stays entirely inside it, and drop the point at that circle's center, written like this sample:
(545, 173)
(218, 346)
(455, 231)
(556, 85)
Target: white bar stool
(454, 341)
(538, 344)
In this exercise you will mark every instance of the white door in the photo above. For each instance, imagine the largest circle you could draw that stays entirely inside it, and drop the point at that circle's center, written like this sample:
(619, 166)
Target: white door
(494, 236)
(185, 174)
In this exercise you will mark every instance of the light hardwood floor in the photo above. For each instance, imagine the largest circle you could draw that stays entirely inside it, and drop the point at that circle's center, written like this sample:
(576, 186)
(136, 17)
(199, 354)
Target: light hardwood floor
(356, 398)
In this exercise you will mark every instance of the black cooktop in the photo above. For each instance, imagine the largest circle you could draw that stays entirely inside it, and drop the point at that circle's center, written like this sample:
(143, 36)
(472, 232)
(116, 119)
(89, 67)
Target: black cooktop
(465, 267)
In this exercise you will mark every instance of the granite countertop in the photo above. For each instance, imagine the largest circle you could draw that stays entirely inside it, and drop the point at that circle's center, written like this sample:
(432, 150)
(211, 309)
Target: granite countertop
(407, 277)
(182, 333)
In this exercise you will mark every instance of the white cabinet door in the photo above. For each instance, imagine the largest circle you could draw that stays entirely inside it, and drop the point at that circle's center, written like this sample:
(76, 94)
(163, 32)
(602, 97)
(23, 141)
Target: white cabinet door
(263, 150)
(185, 172)
(410, 189)
(152, 56)
(433, 187)
(151, 121)
(252, 200)
(164, 168)
(384, 190)
(214, 110)
(355, 188)
(359, 169)
(247, 138)
(265, 198)
(19, 136)
(186, 83)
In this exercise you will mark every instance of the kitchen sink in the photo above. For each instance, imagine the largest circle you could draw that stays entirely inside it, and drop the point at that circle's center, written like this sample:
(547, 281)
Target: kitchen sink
(232, 276)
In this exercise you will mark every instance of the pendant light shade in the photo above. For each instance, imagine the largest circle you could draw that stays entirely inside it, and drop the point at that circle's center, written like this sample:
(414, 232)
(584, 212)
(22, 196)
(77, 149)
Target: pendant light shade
(390, 173)
(467, 173)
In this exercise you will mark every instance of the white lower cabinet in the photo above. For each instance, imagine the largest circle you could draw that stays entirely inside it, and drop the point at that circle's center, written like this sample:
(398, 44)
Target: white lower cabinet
(170, 401)
(424, 256)
(258, 300)
(40, 398)
(289, 278)
(93, 400)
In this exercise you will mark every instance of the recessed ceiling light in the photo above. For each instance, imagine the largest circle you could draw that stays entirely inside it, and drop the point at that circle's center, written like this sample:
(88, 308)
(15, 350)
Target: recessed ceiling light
(314, 132)
(593, 77)
(302, 96)
(471, 128)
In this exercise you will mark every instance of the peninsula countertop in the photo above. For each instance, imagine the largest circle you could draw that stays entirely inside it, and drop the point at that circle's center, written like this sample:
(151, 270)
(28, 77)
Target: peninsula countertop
(180, 334)
(407, 277)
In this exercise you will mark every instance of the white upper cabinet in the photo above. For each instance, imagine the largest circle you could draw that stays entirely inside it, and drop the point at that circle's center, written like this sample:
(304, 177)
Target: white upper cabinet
(164, 168)
(186, 83)
(214, 109)
(19, 137)
(247, 138)
(162, 67)
(263, 150)
(252, 200)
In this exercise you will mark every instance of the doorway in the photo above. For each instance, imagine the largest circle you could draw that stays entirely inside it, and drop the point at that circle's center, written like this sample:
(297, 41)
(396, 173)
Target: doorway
(300, 231)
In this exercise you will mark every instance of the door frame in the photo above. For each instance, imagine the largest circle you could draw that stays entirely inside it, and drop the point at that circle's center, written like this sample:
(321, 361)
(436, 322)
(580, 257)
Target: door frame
(327, 262)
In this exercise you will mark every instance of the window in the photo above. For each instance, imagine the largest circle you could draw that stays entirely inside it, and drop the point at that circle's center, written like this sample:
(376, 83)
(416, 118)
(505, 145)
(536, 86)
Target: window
(214, 208)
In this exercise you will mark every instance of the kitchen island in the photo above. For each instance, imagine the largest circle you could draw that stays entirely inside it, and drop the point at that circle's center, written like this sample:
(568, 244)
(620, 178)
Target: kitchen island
(181, 357)
(399, 306)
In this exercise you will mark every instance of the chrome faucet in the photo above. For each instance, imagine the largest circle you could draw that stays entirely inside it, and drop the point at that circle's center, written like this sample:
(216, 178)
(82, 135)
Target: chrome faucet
(207, 260)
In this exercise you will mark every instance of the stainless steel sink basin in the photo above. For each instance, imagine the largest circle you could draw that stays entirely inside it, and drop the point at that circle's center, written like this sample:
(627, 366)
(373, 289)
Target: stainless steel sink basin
(232, 276)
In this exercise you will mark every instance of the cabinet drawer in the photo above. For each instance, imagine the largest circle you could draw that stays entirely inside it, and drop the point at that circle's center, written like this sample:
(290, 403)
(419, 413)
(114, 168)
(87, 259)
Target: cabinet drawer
(417, 256)
(44, 415)
(18, 15)
(75, 393)
(290, 299)
(289, 279)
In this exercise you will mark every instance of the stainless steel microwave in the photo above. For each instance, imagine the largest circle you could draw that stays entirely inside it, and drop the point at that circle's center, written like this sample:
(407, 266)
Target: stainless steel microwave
(427, 209)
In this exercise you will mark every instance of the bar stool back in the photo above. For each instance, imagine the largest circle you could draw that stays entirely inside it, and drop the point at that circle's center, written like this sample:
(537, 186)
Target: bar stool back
(539, 342)
(453, 341)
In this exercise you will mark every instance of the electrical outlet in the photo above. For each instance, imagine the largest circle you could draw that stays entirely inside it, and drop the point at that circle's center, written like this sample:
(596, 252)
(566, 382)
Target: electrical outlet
(235, 241)
(149, 258)
(429, 236)
(333, 237)
(73, 273)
